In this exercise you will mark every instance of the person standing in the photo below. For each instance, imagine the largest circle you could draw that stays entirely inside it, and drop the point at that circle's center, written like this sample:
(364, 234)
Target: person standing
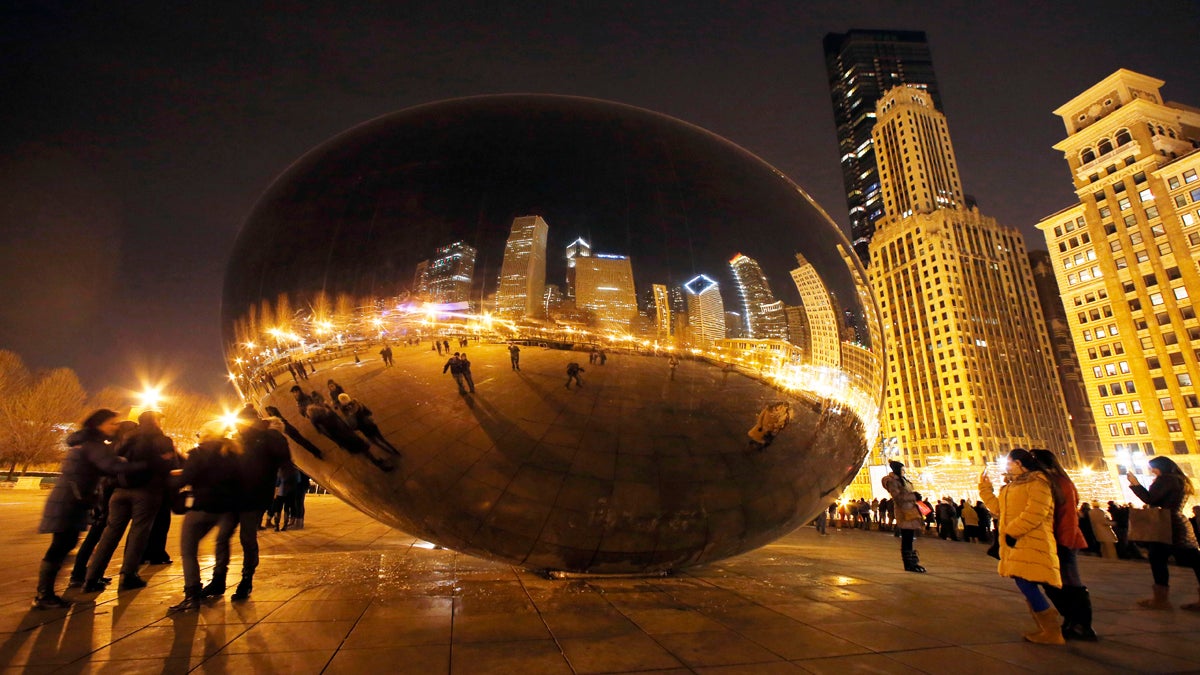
(970, 521)
(573, 371)
(514, 356)
(1025, 510)
(822, 522)
(672, 364)
(99, 514)
(1072, 600)
(212, 470)
(135, 503)
(1170, 490)
(88, 458)
(908, 517)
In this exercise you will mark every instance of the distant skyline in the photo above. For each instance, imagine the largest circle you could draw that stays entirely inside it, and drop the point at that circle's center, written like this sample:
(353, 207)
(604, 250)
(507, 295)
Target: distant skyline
(134, 141)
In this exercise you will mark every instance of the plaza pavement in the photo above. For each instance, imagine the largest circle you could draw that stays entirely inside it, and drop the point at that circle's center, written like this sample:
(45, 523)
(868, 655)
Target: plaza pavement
(349, 595)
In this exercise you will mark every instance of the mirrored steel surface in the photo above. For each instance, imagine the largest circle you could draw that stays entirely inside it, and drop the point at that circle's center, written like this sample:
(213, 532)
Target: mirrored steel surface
(729, 360)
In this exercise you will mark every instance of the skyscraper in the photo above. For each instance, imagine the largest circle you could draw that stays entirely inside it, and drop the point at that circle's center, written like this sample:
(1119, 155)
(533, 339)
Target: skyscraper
(764, 318)
(706, 310)
(522, 286)
(447, 278)
(576, 249)
(662, 313)
(604, 286)
(970, 371)
(1124, 258)
(824, 341)
(861, 66)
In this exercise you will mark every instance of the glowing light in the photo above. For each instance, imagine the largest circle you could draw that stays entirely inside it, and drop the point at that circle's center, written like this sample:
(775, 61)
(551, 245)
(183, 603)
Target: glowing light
(149, 398)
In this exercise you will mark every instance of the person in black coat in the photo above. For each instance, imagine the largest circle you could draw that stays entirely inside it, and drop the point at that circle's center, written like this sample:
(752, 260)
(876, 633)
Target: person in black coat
(88, 458)
(1170, 490)
(333, 427)
(135, 503)
(212, 470)
(293, 433)
(265, 453)
(99, 514)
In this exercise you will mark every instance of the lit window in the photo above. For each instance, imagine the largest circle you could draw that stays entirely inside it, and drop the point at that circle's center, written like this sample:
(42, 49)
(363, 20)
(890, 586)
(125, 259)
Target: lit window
(1145, 195)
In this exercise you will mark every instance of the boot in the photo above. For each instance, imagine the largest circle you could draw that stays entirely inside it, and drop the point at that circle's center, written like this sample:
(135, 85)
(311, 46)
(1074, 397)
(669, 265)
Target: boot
(244, 587)
(1050, 632)
(131, 582)
(46, 598)
(1191, 606)
(1078, 622)
(911, 562)
(1161, 599)
(192, 595)
(216, 587)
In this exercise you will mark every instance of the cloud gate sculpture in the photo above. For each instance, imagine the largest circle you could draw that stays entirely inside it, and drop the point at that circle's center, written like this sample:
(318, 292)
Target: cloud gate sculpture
(671, 354)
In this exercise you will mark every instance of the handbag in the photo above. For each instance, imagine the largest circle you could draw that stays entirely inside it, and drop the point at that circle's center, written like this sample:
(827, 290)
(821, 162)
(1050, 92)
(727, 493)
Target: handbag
(924, 508)
(1152, 525)
(994, 549)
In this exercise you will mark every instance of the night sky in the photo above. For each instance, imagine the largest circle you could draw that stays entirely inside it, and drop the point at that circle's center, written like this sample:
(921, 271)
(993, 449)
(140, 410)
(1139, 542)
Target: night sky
(134, 142)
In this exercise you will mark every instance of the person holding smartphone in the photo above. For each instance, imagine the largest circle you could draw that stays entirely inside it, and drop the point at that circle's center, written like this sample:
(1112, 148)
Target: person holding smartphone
(1028, 552)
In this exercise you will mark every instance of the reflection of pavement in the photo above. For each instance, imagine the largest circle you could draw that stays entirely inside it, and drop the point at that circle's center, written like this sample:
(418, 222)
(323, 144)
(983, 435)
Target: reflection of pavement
(349, 595)
(632, 469)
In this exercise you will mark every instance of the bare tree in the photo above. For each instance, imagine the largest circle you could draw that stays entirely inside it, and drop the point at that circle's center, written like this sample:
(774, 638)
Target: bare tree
(35, 410)
(184, 413)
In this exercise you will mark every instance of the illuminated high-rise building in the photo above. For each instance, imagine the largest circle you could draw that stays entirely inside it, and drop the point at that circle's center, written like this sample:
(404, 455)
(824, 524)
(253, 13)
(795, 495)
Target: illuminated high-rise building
(862, 65)
(1070, 377)
(1124, 258)
(705, 310)
(824, 343)
(797, 320)
(764, 318)
(576, 249)
(522, 287)
(447, 278)
(662, 313)
(604, 286)
(970, 371)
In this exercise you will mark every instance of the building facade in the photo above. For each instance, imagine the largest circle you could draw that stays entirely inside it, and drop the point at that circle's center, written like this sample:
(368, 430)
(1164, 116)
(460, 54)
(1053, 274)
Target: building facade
(861, 66)
(970, 371)
(705, 310)
(763, 318)
(521, 290)
(662, 313)
(1125, 261)
(824, 327)
(449, 275)
(604, 286)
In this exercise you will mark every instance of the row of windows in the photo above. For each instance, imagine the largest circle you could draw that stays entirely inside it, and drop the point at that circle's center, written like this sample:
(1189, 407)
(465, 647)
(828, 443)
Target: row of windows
(1188, 176)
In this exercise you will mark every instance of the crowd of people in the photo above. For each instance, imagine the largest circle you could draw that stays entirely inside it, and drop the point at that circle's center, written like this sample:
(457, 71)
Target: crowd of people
(118, 476)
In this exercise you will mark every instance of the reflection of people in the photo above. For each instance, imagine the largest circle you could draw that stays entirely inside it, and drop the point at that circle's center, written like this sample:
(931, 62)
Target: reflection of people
(454, 365)
(1170, 490)
(302, 400)
(672, 363)
(573, 371)
(386, 354)
(359, 417)
(292, 432)
(1025, 510)
(908, 516)
(465, 364)
(335, 390)
(333, 427)
(771, 420)
(514, 355)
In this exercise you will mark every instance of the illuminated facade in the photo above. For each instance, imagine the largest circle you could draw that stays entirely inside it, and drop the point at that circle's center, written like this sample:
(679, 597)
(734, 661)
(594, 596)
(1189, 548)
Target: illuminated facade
(1124, 258)
(970, 372)
(861, 66)
(764, 317)
(576, 249)
(604, 286)
(522, 286)
(662, 313)
(447, 278)
(824, 343)
(705, 310)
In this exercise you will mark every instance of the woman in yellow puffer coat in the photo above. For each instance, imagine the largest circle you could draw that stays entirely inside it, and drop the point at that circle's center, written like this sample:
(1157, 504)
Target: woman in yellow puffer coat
(1025, 511)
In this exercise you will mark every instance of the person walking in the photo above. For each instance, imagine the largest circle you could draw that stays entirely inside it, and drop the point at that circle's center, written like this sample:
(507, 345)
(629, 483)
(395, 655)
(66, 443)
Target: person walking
(99, 514)
(573, 371)
(454, 365)
(947, 519)
(212, 470)
(1072, 600)
(514, 356)
(1025, 510)
(1170, 490)
(134, 503)
(908, 517)
(465, 364)
(88, 458)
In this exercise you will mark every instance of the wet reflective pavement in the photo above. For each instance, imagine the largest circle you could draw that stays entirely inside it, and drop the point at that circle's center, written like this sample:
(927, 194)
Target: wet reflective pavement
(348, 595)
